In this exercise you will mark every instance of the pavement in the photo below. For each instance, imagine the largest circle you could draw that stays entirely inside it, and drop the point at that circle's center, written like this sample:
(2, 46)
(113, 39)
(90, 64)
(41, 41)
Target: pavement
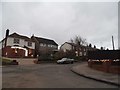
(85, 71)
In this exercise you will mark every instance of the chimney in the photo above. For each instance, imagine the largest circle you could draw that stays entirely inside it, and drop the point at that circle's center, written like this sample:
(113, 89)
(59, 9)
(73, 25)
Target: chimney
(113, 43)
(7, 33)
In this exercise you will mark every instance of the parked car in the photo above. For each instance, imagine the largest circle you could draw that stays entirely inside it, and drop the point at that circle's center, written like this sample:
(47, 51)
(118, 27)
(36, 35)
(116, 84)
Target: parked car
(65, 61)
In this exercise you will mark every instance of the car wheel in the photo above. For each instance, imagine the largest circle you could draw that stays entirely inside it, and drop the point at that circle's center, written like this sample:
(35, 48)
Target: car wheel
(71, 62)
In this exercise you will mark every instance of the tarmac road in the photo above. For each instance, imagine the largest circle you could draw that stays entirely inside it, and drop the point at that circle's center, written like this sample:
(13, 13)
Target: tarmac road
(46, 75)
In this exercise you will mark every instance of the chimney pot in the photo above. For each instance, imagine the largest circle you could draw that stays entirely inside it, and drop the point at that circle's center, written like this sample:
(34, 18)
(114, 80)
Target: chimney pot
(7, 32)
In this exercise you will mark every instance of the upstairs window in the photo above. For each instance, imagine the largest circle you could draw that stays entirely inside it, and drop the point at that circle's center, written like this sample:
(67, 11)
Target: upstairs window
(29, 43)
(44, 45)
(84, 49)
(49, 45)
(16, 41)
(56, 47)
(41, 44)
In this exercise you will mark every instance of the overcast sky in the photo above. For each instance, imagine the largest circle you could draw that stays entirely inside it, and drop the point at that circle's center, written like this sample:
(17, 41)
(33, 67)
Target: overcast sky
(60, 21)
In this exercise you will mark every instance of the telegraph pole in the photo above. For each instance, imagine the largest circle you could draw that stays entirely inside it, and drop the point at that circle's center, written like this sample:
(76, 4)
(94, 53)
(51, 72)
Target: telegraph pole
(113, 43)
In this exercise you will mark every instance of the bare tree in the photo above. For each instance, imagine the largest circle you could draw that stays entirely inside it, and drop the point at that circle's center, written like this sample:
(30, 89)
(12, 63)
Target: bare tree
(78, 40)
(71, 40)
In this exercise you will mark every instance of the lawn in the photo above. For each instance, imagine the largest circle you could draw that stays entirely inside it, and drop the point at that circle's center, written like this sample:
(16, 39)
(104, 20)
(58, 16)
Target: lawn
(5, 61)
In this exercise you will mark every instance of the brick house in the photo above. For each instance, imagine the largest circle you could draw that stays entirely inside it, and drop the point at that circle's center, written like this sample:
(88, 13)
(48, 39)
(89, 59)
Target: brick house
(16, 46)
(78, 50)
(44, 46)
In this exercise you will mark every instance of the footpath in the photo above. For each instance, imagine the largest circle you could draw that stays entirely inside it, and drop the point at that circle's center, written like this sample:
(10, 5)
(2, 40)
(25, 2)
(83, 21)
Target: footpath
(85, 71)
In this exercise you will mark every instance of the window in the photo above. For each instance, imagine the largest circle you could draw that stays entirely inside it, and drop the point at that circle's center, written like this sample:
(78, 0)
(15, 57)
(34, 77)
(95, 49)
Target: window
(54, 46)
(80, 53)
(30, 51)
(29, 43)
(80, 49)
(16, 40)
(41, 44)
(84, 49)
(16, 50)
(84, 53)
(44, 45)
(49, 45)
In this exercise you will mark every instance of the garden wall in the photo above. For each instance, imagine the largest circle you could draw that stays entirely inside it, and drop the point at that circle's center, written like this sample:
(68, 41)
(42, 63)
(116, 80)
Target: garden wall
(105, 66)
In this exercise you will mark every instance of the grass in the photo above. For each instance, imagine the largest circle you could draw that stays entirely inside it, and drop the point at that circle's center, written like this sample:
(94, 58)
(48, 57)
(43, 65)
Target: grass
(4, 60)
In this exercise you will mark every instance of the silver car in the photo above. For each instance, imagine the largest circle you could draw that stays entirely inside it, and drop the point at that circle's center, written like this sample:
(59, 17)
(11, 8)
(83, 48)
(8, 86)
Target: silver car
(65, 61)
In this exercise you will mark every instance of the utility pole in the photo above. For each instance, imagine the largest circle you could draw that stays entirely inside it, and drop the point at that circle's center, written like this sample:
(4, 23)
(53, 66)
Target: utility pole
(113, 43)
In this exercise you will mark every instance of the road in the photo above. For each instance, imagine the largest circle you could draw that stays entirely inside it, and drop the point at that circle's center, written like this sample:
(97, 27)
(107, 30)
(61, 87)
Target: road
(46, 75)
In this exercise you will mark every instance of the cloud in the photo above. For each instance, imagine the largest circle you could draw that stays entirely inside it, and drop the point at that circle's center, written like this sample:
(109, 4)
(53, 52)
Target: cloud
(96, 22)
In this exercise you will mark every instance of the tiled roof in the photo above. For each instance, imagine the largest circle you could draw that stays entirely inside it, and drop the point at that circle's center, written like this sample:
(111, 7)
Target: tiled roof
(15, 35)
(75, 45)
(46, 41)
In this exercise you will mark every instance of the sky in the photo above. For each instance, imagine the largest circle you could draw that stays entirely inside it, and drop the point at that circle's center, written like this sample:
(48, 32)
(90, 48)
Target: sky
(97, 22)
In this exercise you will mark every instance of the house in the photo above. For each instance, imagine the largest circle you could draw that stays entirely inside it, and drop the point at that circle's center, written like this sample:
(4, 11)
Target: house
(44, 46)
(78, 50)
(17, 46)
(67, 46)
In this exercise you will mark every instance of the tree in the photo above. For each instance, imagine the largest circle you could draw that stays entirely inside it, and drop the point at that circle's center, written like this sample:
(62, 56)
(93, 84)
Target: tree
(60, 54)
(78, 40)
(70, 54)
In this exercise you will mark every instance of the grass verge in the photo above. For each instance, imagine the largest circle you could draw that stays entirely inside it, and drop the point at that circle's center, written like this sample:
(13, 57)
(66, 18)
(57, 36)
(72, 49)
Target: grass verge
(5, 61)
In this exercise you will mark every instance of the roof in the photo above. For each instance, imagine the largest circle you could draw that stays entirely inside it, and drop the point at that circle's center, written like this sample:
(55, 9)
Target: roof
(15, 35)
(46, 41)
(75, 45)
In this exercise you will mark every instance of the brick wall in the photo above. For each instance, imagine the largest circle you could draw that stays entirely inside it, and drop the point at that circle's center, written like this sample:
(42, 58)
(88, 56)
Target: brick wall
(16, 53)
(105, 67)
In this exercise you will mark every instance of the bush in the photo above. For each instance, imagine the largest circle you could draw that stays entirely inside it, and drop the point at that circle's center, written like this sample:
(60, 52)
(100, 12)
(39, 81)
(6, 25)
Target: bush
(59, 55)
(80, 58)
(45, 58)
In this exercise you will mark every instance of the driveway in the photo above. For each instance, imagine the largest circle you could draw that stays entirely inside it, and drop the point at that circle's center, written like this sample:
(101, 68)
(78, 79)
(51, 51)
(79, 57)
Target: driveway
(46, 76)
(25, 61)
